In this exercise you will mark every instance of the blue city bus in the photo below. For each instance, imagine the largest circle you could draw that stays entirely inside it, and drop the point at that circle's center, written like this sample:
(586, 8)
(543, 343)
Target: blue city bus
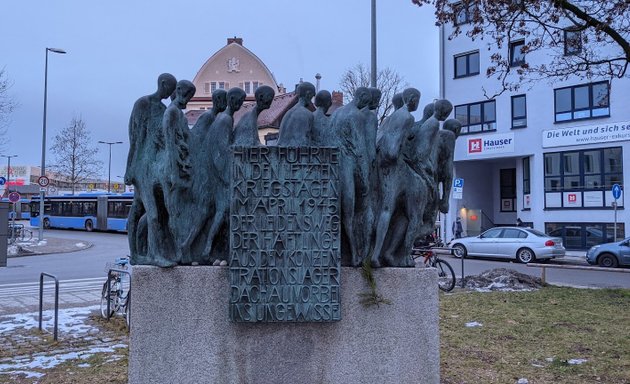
(89, 211)
(22, 208)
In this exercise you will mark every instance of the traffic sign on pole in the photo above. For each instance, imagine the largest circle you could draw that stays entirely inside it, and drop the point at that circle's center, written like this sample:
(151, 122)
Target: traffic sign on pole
(43, 181)
(3, 180)
(616, 191)
(14, 197)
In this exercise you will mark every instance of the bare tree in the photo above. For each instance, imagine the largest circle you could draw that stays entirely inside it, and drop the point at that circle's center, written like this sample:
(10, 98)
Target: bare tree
(584, 38)
(75, 155)
(7, 105)
(387, 80)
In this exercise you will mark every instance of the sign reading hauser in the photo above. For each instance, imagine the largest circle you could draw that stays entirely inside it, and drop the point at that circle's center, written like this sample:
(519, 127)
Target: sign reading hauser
(284, 235)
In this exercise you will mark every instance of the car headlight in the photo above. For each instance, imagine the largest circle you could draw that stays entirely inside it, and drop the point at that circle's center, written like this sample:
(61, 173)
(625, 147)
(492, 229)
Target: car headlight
(593, 248)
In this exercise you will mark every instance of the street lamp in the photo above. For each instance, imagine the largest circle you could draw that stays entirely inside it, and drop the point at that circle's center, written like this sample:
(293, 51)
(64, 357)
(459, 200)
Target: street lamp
(373, 71)
(8, 170)
(109, 173)
(43, 171)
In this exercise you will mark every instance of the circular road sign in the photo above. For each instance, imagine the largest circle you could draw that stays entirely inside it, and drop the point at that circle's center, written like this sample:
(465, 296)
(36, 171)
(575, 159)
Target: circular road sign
(3, 180)
(14, 197)
(43, 181)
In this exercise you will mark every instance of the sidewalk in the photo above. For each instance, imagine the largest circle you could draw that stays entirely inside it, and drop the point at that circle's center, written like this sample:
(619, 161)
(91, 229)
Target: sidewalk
(47, 246)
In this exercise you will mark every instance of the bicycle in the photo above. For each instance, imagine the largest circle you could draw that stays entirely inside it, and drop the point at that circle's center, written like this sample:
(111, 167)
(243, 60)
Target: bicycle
(17, 233)
(446, 275)
(117, 287)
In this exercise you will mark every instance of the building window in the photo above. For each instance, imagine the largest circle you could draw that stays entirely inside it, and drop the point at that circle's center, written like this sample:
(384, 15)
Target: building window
(577, 236)
(572, 42)
(477, 117)
(463, 13)
(508, 189)
(206, 88)
(526, 177)
(247, 87)
(255, 85)
(213, 86)
(519, 111)
(467, 64)
(517, 56)
(582, 179)
(585, 101)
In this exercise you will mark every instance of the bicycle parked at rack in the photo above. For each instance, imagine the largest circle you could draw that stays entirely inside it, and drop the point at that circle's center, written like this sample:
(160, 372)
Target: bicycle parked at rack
(117, 287)
(17, 233)
(446, 275)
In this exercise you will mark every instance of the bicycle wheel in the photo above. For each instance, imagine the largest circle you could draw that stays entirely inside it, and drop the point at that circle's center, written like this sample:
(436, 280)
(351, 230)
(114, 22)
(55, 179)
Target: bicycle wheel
(112, 300)
(27, 235)
(446, 275)
(128, 309)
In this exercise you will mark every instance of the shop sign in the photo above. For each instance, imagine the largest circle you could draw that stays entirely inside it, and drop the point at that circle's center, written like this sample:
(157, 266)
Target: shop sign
(586, 134)
(490, 144)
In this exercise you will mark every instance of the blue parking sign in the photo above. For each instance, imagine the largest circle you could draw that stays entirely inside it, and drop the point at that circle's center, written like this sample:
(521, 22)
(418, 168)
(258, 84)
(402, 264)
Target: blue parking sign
(458, 183)
(616, 191)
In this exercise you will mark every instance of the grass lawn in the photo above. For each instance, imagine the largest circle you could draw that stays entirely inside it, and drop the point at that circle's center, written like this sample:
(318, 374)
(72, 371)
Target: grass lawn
(534, 335)
(531, 335)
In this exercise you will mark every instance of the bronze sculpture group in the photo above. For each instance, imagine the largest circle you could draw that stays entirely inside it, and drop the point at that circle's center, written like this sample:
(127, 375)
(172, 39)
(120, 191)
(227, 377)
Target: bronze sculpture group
(394, 178)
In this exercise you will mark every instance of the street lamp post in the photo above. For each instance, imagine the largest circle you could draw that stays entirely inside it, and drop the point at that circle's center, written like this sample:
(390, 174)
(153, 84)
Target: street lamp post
(109, 172)
(373, 55)
(9, 190)
(8, 170)
(43, 170)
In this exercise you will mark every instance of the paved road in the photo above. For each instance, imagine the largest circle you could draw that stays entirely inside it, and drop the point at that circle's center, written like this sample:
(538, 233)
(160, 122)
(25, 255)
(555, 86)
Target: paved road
(86, 263)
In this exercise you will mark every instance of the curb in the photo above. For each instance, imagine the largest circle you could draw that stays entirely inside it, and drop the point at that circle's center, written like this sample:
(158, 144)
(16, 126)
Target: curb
(53, 246)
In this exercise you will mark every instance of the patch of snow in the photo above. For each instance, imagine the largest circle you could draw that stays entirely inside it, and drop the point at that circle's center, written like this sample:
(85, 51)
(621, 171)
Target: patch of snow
(473, 324)
(576, 361)
(84, 365)
(549, 359)
(71, 321)
(502, 279)
(522, 381)
(79, 245)
(27, 374)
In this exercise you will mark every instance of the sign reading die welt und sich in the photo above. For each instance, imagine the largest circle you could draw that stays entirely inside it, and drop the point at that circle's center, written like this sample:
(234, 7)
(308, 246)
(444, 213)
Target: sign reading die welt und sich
(285, 260)
(586, 134)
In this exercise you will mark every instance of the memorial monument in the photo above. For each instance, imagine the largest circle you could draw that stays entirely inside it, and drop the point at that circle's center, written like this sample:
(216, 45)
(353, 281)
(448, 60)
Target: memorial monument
(294, 223)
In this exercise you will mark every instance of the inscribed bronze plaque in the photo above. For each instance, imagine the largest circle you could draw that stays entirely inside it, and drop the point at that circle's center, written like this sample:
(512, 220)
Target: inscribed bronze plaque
(284, 235)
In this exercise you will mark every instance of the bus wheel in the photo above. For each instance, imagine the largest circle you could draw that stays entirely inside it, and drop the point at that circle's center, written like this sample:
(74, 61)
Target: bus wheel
(89, 226)
(46, 223)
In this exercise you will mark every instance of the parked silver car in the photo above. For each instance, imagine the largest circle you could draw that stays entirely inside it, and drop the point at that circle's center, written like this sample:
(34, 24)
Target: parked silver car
(523, 244)
(610, 254)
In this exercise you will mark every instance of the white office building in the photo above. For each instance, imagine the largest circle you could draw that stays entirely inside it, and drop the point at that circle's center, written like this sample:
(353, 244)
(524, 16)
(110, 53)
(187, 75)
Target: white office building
(548, 155)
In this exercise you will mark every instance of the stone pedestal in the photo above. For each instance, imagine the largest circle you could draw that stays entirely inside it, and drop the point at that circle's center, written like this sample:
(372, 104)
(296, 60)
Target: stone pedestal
(181, 333)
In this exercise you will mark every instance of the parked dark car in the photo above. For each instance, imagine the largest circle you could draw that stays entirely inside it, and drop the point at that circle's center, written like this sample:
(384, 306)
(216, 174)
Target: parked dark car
(610, 254)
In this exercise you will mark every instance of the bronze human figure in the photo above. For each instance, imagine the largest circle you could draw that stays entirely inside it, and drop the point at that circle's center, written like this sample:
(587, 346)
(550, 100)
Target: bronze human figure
(321, 121)
(418, 154)
(246, 131)
(219, 141)
(199, 131)
(296, 127)
(391, 182)
(348, 126)
(177, 179)
(146, 142)
(443, 160)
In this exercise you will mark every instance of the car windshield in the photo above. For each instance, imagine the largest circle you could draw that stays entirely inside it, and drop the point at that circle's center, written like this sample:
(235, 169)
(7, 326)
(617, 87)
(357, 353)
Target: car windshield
(535, 232)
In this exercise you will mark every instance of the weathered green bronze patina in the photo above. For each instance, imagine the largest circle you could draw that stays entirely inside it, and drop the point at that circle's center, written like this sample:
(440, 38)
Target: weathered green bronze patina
(284, 235)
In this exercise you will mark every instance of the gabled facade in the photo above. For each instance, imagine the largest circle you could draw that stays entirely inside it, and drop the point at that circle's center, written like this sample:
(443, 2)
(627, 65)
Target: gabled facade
(231, 66)
(549, 155)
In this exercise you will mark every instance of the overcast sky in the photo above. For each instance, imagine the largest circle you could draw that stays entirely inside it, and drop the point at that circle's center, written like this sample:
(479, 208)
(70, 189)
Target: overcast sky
(116, 50)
